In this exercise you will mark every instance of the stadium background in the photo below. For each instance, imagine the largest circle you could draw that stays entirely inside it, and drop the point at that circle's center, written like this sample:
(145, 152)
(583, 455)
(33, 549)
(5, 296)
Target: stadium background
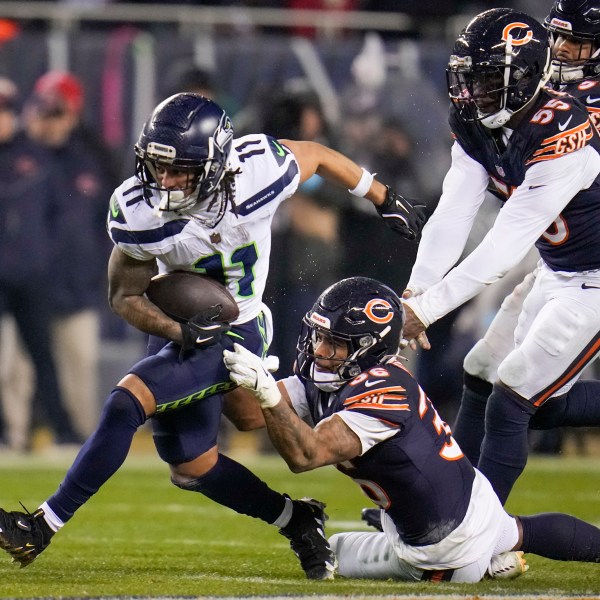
(128, 54)
(180, 544)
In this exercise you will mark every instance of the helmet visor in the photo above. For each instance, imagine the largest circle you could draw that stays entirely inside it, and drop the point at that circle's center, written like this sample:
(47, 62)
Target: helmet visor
(321, 351)
(477, 91)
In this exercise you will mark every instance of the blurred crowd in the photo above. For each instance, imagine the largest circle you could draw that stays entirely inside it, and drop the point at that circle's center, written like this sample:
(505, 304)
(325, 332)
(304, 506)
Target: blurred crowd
(438, 7)
(56, 180)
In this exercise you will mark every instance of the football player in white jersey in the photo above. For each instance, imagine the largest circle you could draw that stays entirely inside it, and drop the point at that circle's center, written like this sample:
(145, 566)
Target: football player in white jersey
(200, 201)
(353, 404)
(540, 152)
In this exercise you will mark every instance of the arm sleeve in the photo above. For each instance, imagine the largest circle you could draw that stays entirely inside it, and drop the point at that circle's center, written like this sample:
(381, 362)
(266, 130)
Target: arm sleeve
(547, 188)
(445, 234)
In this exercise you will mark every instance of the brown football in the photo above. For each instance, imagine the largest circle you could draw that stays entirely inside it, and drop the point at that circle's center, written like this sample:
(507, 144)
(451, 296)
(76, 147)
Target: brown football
(184, 294)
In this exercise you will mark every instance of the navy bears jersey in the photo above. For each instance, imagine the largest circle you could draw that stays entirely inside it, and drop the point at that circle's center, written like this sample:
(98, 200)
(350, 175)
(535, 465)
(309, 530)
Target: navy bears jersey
(558, 125)
(588, 93)
(419, 474)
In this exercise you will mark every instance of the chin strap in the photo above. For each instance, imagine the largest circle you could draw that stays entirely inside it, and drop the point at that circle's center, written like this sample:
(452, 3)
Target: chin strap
(326, 382)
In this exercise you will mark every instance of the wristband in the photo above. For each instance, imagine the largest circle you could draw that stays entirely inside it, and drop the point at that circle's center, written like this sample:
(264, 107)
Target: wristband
(363, 185)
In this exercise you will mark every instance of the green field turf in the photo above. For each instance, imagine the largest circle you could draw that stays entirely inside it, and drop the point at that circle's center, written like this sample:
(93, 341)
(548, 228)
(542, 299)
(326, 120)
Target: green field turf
(141, 536)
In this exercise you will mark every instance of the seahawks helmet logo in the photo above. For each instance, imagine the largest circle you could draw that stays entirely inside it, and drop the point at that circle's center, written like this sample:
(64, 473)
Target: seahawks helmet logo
(223, 133)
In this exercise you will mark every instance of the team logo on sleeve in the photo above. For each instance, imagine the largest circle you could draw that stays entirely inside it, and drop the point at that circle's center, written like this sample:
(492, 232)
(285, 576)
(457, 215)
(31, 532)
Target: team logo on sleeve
(379, 311)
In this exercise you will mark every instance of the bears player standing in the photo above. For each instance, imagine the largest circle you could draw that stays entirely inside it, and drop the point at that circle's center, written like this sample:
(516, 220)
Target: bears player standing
(200, 201)
(441, 519)
(539, 150)
(574, 26)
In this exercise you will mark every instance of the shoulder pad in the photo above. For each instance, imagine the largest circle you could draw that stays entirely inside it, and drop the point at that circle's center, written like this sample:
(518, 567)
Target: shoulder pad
(385, 388)
(560, 125)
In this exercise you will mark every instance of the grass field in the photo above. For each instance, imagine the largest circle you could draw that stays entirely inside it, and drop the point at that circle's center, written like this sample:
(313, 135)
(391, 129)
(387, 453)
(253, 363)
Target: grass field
(141, 536)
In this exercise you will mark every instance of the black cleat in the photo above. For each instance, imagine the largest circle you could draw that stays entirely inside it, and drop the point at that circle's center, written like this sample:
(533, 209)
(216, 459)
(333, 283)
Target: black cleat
(372, 516)
(306, 532)
(24, 535)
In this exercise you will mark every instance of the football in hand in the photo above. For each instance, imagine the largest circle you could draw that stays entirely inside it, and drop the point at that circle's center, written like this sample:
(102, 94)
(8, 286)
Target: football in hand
(183, 294)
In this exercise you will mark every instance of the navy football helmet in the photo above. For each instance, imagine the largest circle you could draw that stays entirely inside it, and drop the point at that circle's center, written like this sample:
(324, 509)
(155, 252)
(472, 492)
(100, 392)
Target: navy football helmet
(362, 313)
(499, 63)
(193, 135)
(578, 21)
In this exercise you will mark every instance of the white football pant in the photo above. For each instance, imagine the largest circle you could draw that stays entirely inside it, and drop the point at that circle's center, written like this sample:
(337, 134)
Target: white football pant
(486, 530)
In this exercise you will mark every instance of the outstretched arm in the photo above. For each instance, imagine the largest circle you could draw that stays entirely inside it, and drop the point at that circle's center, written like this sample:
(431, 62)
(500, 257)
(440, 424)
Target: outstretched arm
(314, 158)
(398, 212)
(302, 447)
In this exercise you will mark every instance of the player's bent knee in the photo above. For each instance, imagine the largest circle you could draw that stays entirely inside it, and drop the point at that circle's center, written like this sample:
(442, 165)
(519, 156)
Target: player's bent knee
(123, 406)
(513, 370)
(135, 386)
(186, 475)
(479, 363)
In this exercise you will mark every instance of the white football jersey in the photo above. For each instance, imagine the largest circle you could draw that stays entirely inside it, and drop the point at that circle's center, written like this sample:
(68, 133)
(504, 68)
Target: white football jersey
(236, 252)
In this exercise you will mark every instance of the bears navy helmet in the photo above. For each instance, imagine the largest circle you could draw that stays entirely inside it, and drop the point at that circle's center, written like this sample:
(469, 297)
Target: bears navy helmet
(579, 22)
(499, 63)
(193, 135)
(361, 312)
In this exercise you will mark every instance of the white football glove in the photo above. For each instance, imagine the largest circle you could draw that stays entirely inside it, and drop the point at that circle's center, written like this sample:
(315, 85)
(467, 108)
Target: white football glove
(252, 372)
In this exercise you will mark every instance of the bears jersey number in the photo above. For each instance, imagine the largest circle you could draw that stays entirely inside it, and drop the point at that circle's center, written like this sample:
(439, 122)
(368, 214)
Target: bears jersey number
(451, 450)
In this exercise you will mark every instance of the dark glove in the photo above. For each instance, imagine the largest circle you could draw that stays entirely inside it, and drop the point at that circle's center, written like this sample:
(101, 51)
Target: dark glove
(401, 215)
(203, 330)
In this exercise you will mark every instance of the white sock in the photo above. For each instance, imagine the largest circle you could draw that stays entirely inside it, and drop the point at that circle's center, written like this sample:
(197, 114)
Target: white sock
(50, 517)
(286, 515)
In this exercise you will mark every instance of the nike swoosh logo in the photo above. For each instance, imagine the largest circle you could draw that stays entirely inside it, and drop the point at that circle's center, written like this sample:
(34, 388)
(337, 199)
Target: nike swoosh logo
(585, 286)
(372, 383)
(563, 126)
(280, 150)
(535, 187)
(590, 100)
(114, 207)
